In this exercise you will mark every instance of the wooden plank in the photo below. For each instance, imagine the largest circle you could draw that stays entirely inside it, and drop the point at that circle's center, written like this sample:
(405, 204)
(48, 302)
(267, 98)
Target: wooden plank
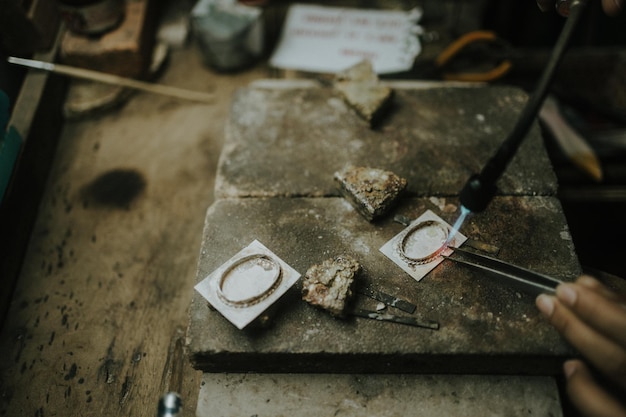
(35, 122)
(97, 321)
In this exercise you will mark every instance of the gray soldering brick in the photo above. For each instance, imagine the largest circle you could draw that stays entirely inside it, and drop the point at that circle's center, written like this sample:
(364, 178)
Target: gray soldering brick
(286, 139)
(314, 395)
(485, 326)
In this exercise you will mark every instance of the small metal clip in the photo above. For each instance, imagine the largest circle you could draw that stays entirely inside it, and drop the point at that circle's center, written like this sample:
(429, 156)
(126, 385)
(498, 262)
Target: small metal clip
(411, 321)
(389, 300)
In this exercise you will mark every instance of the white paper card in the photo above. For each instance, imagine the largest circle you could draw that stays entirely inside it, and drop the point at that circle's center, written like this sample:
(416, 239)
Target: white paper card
(241, 316)
(332, 39)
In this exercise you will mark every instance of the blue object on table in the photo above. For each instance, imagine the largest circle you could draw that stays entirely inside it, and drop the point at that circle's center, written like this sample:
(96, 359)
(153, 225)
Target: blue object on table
(4, 110)
(10, 145)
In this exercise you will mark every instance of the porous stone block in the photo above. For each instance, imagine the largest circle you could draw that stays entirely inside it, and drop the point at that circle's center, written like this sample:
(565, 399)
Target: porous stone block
(361, 88)
(485, 326)
(329, 285)
(125, 50)
(373, 192)
(314, 395)
(286, 139)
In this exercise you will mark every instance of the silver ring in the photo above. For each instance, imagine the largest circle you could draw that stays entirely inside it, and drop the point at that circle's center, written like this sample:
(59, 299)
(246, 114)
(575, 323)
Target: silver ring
(428, 254)
(267, 263)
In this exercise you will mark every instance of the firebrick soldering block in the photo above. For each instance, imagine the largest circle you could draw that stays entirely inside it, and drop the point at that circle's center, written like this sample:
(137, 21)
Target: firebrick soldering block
(360, 87)
(371, 191)
(125, 50)
(486, 327)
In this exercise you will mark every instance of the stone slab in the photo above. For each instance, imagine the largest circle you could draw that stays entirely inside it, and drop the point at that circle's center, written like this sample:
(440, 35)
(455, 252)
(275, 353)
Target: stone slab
(485, 327)
(125, 50)
(377, 395)
(287, 138)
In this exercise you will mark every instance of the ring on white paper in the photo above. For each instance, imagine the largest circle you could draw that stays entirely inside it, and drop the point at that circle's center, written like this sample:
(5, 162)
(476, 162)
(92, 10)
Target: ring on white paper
(248, 280)
(423, 242)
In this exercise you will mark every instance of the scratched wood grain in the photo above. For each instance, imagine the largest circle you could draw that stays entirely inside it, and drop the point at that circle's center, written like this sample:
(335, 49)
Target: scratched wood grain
(98, 319)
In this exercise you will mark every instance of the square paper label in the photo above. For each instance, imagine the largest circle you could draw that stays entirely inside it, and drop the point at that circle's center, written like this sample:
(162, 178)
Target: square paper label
(247, 284)
(332, 39)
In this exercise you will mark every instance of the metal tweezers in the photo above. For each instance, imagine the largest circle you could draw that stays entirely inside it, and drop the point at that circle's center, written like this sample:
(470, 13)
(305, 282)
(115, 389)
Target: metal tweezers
(513, 275)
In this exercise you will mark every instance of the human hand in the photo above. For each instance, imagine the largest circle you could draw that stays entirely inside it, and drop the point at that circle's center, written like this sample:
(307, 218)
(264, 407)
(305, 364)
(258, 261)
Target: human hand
(593, 320)
(610, 7)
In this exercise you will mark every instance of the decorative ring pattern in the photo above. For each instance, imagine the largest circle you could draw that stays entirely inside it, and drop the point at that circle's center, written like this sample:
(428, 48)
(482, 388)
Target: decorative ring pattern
(263, 261)
(440, 236)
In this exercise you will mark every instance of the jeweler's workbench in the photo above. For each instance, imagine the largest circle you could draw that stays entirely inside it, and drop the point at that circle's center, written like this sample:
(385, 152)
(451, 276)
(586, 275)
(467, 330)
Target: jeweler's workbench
(98, 318)
(275, 183)
(97, 321)
(284, 141)
(145, 200)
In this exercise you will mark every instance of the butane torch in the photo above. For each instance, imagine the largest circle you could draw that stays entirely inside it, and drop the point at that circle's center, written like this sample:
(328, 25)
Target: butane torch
(480, 188)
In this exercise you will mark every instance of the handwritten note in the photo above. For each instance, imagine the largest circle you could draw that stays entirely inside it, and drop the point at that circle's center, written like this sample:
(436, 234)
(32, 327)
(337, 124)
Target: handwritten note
(331, 39)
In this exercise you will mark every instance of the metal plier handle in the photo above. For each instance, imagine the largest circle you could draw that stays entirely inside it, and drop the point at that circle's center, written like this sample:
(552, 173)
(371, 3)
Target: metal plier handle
(461, 43)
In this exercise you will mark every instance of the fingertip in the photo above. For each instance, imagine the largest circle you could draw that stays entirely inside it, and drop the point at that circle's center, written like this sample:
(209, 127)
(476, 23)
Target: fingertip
(598, 287)
(545, 304)
(567, 294)
(588, 281)
(570, 367)
(586, 395)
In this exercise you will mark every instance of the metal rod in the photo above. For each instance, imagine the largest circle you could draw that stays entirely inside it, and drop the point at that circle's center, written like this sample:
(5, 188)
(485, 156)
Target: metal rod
(410, 321)
(105, 78)
(480, 189)
(389, 300)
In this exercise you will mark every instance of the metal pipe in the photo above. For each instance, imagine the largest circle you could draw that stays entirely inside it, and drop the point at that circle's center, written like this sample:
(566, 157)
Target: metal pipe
(480, 188)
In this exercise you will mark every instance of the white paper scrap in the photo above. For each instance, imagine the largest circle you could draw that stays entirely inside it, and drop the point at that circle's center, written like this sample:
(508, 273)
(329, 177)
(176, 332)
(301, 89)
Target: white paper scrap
(243, 315)
(332, 39)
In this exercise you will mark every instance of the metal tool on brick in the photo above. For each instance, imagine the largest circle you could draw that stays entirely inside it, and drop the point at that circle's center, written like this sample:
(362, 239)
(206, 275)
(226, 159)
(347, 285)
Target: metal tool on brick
(515, 276)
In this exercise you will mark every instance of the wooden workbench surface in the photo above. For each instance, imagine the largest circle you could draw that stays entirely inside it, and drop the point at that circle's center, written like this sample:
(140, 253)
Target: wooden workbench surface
(97, 322)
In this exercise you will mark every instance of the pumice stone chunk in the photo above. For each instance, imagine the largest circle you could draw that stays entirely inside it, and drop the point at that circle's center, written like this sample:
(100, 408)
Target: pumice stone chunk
(361, 89)
(371, 191)
(329, 285)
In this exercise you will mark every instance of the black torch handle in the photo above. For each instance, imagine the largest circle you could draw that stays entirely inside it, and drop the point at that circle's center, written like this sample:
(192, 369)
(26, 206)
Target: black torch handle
(480, 188)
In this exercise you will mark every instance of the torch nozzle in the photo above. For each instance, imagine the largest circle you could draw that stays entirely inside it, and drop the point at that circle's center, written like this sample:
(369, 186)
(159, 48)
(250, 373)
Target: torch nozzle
(480, 188)
(477, 193)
